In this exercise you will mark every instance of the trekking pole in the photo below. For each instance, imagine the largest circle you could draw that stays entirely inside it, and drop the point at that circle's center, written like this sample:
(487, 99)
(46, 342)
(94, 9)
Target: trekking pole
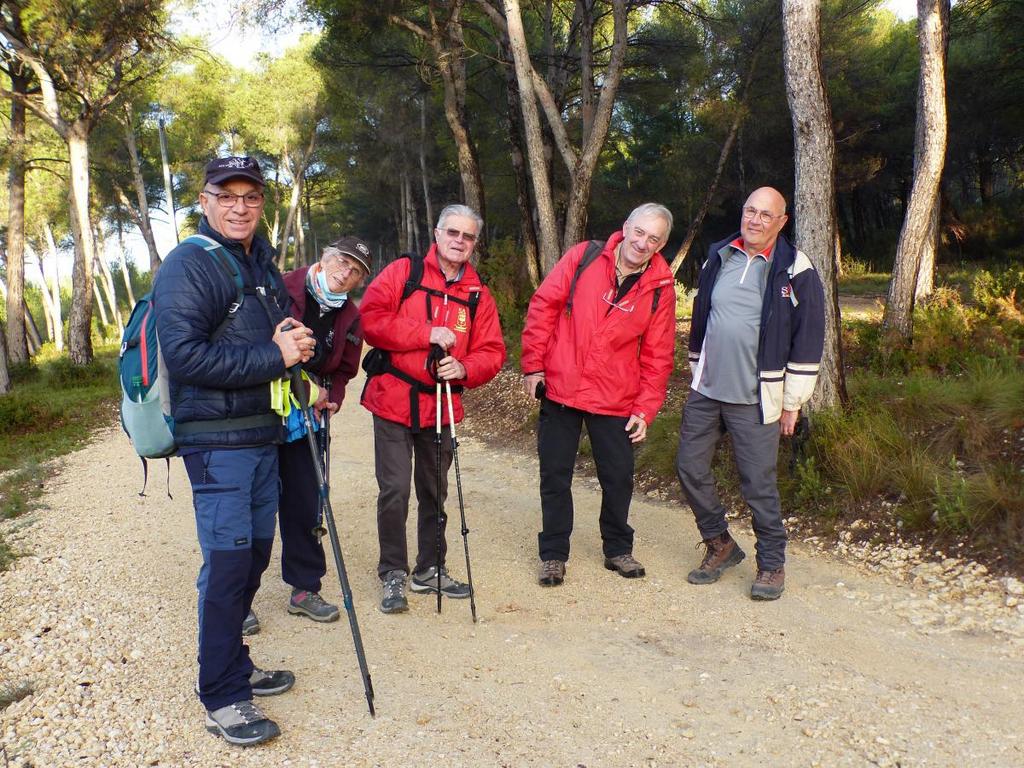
(462, 505)
(325, 451)
(299, 388)
(436, 353)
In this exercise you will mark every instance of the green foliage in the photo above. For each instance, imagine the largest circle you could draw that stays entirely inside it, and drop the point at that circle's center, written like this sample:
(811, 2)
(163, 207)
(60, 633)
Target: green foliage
(949, 335)
(503, 271)
(657, 453)
(945, 451)
(53, 406)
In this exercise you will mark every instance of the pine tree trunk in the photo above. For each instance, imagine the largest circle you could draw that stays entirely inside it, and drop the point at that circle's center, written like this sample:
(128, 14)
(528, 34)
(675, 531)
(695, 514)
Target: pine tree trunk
(932, 26)
(428, 206)
(453, 76)
(528, 232)
(145, 227)
(17, 347)
(54, 287)
(80, 320)
(125, 274)
(5, 375)
(586, 164)
(550, 251)
(814, 207)
(48, 313)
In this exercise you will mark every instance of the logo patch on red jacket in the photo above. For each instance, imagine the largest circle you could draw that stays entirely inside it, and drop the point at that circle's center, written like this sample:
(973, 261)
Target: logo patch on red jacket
(462, 320)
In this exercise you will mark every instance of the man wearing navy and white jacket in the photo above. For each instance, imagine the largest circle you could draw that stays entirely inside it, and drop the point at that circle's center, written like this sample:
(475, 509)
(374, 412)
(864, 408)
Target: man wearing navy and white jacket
(756, 340)
(220, 356)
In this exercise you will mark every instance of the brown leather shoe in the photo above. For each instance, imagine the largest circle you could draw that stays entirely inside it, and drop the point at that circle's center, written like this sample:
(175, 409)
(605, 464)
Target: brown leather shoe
(626, 565)
(552, 573)
(721, 552)
(768, 585)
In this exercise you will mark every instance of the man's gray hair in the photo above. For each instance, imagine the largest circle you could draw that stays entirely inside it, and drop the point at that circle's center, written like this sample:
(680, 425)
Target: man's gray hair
(652, 209)
(457, 209)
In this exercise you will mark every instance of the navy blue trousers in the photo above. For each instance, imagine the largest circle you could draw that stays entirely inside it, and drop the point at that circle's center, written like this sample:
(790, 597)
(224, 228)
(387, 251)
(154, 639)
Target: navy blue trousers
(234, 493)
(303, 563)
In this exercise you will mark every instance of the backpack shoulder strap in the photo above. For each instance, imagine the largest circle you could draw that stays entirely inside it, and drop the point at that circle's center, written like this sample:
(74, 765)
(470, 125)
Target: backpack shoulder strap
(415, 274)
(229, 265)
(593, 249)
(656, 299)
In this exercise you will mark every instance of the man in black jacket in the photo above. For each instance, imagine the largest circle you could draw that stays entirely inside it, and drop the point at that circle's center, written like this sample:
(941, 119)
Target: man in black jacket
(220, 358)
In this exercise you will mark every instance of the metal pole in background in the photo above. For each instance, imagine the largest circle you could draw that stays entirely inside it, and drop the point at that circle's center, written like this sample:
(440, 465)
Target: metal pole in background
(168, 188)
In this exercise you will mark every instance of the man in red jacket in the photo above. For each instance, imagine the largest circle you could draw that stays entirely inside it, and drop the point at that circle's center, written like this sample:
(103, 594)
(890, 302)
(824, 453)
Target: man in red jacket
(414, 304)
(597, 349)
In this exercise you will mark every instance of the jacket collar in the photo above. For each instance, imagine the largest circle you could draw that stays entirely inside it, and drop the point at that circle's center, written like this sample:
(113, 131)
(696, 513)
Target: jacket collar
(467, 275)
(655, 274)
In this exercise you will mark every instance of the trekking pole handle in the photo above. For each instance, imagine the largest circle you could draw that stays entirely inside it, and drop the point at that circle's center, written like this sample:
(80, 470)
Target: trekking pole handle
(434, 358)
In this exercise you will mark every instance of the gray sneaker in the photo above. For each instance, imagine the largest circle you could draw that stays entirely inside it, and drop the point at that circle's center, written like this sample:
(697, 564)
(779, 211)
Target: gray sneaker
(426, 582)
(393, 600)
(241, 723)
(305, 603)
(251, 625)
(270, 683)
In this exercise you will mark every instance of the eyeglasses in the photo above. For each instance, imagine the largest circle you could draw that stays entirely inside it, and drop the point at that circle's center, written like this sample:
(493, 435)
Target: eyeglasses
(342, 263)
(765, 217)
(608, 299)
(228, 200)
(457, 234)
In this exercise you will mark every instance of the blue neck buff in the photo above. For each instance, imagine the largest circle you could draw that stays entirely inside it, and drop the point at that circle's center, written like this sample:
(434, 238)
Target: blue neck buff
(325, 295)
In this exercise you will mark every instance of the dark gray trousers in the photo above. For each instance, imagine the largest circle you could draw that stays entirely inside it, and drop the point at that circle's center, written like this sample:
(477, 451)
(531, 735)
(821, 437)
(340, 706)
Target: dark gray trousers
(393, 448)
(756, 448)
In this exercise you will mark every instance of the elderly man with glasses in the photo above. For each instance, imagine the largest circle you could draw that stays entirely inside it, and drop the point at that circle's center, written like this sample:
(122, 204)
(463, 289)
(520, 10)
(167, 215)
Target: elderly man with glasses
(415, 307)
(756, 341)
(597, 350)
(220, 356)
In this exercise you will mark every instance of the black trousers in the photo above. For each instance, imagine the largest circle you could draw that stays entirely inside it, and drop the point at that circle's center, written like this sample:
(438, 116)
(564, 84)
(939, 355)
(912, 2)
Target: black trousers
(394, 446)
(558, 442)
(303, 563)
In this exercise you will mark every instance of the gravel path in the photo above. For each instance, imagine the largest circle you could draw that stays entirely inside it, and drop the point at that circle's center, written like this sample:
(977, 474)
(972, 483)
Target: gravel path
(882, 661)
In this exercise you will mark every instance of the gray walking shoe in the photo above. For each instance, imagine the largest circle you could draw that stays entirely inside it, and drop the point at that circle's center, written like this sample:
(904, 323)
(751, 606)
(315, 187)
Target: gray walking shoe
(393, 600)
(305, 603)
(270, 683)
(625, 565)
(251, 625)
(425, 582)
(242, 724)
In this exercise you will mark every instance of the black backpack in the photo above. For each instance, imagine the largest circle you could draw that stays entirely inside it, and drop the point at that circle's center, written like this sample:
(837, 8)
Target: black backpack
(378, 361)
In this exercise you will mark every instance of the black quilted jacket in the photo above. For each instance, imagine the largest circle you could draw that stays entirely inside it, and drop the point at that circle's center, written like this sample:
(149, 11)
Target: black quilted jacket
(228, 378)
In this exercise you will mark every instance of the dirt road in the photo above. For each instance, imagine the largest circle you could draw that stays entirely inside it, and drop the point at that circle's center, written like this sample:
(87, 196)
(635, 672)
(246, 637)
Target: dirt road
(846, 669)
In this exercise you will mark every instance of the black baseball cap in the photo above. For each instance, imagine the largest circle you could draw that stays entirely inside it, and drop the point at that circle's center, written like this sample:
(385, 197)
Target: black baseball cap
(221, 169)
(356, 248)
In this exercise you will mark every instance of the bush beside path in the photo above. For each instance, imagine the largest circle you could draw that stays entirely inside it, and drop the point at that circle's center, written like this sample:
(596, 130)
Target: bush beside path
(850, 667)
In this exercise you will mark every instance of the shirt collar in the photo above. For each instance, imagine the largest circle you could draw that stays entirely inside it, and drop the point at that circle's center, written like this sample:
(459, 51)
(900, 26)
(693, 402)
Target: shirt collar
(458, 275)
(737, 244)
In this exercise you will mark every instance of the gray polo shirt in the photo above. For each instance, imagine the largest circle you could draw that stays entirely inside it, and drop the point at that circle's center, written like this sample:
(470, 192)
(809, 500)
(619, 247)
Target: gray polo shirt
(727, 370)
